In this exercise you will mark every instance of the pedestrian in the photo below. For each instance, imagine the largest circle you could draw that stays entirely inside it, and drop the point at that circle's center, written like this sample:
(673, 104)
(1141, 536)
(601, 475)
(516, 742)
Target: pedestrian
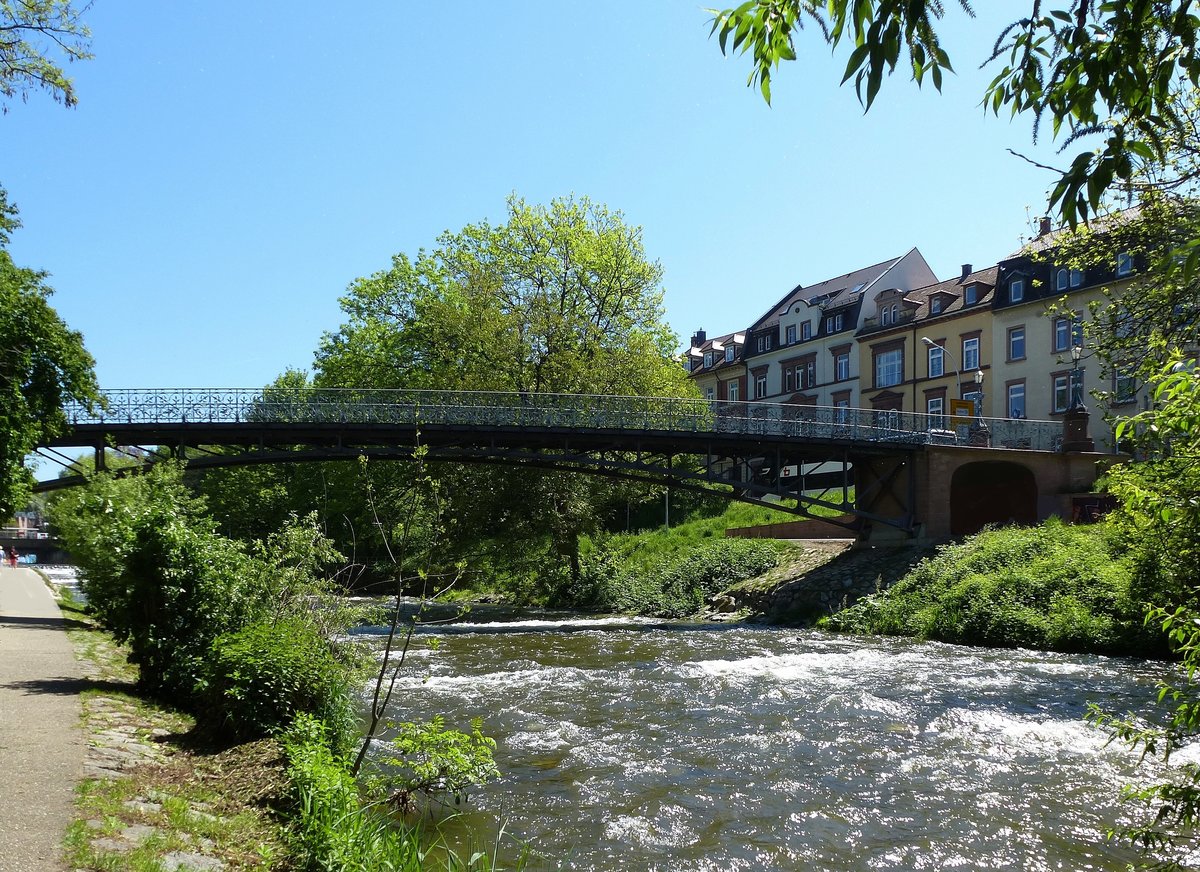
(12, 557)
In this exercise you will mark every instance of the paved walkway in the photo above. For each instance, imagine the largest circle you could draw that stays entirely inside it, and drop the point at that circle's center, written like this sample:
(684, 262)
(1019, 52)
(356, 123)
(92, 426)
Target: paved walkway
(41, 740)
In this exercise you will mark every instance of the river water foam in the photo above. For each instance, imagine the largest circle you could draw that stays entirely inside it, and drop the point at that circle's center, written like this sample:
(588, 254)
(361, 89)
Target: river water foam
(632, 745)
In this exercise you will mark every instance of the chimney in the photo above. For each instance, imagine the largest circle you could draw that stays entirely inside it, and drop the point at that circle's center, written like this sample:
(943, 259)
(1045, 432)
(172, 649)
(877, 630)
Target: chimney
(699, 338)
(1043, 226)
(966, 270)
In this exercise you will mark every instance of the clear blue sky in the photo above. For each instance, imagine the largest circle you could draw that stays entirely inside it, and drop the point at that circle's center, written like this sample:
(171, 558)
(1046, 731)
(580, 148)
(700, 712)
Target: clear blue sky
(231, 167)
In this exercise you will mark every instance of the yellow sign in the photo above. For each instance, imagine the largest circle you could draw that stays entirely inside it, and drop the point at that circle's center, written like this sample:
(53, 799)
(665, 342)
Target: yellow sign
(961, 412)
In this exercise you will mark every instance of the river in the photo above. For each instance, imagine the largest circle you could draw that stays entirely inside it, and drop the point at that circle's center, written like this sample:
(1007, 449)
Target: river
(634, 745)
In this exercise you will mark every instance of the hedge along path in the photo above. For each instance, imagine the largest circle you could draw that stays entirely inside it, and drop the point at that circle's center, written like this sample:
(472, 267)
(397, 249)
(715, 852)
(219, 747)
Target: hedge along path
(41, 739)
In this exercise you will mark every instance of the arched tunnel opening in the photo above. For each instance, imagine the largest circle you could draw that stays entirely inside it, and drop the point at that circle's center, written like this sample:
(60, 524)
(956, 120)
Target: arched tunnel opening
(991, 492)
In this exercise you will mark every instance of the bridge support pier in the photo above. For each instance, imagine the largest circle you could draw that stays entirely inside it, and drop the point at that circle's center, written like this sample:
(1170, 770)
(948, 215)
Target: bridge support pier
(959, 489)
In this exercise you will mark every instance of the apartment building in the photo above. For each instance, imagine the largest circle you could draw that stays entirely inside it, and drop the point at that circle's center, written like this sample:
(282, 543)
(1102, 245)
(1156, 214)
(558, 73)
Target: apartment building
(926, 346)
(716, 365)
(801, 350)
(1040, 312)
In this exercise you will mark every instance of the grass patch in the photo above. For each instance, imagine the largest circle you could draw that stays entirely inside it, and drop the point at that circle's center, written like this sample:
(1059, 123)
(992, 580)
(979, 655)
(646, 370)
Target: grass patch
(1052, 587)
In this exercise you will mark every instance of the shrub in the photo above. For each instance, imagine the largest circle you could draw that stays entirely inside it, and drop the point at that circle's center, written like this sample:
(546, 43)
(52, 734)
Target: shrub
(258, 678)
(677, 584)
(1053, 587)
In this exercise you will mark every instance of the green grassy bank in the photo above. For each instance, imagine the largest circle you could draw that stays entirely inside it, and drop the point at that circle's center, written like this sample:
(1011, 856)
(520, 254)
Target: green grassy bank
(1053, 587)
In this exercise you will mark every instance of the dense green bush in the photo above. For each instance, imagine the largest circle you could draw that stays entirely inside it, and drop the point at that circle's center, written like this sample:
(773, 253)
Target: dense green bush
(259, 677)
(674, 585)
(339, 828)
(1053, 587)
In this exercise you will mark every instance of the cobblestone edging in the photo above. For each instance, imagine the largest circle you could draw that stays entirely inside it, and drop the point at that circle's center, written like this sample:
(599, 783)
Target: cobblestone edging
(124, 737)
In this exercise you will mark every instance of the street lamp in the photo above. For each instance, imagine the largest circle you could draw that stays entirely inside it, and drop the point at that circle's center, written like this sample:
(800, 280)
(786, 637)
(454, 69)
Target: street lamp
(944, 350)
(1076, 381)
(957, 372)
(979, 398)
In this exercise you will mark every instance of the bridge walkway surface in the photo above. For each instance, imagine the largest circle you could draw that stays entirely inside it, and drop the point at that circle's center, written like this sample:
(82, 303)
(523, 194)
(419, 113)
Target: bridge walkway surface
(41, 737)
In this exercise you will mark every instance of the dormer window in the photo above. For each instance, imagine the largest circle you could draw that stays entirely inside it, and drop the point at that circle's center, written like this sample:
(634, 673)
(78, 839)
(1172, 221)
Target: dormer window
(885, 317)
(729, 354)
(1016, 290)
(1060, 280)
(970, 295)
(708, 358)
(935, 306)
(834, 323)
(1076, 278)
(790, 334)
(805, 331)
(1124, 263)
(687, 364)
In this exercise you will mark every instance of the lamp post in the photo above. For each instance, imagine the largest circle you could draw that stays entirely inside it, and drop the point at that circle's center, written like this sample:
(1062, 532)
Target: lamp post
(1076, 381)
(982, 435)
(1075, 421)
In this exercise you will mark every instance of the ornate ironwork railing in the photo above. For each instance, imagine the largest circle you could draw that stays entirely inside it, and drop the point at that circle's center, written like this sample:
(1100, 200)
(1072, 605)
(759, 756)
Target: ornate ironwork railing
(563, 411)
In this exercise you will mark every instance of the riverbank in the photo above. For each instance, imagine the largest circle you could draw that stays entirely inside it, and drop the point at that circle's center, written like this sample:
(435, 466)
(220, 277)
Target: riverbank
(155, 793)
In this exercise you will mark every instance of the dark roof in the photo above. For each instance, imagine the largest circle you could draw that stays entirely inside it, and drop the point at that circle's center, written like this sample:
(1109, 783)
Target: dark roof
(985, 278)
(833, 292)
(717, 346)
(1099, 224)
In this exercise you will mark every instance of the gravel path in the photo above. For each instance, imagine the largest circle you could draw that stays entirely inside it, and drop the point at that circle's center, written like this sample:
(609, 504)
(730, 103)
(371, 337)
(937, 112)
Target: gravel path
(41, 740)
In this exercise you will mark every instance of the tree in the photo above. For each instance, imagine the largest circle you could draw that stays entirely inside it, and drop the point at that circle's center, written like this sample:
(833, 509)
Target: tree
(557, 299)
(43, 366)
(1115, 74)
(31, 31)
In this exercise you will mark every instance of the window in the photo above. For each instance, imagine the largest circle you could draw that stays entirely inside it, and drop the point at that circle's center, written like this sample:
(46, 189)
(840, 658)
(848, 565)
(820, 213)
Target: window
(843, 413)
(734, 390)
(886, 316)
(1016, 290)
(1077, 331)
(937, 361)
(1016, 343)
(729, 354)
(895, 313)
(970, 353)
(806, 375)
(1124, 263)
(1062, 334)
(970, 295)
(787, 379)
(1062, 393)
(687, 364)
(935, 306)
(976, 399)
(791, 334)
(841, 365)
(1016, 400)
(834, 323)
(708, 358)
(760, 386)
(935, 407)
(764, 343)
(805, 331)
(889, 368)
(1124, 387)
(1060, 280)
(1076, 278)
(709, 393)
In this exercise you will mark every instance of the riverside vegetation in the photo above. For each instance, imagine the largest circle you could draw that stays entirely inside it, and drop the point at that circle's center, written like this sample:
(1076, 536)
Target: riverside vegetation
(241, 637)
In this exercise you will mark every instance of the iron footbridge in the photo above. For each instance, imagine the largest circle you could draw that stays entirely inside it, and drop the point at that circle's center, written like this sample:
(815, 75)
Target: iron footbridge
(756, 452)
